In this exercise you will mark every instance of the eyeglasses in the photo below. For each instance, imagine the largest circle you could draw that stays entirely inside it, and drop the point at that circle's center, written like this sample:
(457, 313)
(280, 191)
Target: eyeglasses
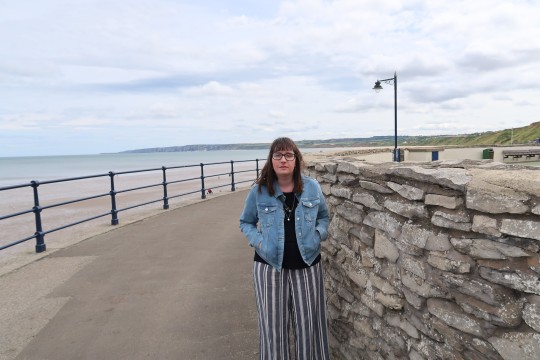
(279, 156)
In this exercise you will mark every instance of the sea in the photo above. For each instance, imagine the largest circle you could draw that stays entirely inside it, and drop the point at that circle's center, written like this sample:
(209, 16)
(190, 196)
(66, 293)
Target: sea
(21, 170)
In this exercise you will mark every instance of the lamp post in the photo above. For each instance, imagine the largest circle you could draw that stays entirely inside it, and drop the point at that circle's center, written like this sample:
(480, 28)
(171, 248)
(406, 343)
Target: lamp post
(377, 88)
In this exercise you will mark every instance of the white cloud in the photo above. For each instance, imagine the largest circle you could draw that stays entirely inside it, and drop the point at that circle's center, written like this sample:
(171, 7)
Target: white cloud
(174, 73)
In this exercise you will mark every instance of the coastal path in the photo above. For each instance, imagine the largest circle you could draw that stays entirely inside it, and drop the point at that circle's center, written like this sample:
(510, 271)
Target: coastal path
(173, 286)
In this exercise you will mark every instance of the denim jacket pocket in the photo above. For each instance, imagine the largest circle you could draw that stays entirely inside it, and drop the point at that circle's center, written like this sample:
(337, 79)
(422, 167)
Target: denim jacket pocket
(311, 208)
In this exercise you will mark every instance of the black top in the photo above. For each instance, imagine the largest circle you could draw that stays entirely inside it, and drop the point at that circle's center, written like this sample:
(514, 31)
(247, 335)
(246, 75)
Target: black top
(292, 259)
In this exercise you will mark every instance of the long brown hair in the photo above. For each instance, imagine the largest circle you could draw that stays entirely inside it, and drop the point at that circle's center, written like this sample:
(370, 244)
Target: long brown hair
(268, 175)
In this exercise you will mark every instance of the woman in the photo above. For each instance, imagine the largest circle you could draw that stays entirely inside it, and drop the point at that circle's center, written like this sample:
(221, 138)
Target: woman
(285, 218)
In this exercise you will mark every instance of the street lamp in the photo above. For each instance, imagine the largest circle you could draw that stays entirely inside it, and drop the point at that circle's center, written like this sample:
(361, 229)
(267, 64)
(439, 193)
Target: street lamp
(377, 88)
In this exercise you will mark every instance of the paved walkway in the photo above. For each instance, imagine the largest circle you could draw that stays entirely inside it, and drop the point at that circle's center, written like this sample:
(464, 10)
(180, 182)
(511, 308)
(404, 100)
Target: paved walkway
(173, 286)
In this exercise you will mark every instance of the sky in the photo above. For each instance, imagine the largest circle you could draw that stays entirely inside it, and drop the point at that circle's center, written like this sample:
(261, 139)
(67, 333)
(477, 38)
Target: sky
(96, 76)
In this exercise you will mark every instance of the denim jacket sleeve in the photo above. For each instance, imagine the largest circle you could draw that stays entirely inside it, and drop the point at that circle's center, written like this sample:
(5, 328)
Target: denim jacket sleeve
(323, 218)
(249, 219)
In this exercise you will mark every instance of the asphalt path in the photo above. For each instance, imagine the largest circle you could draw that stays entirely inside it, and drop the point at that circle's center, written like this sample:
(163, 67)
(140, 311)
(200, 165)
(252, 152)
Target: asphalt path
(173, 286)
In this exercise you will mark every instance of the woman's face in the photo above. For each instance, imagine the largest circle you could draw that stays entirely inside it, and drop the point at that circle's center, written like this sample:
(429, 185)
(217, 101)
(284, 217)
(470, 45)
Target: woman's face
(283, 162)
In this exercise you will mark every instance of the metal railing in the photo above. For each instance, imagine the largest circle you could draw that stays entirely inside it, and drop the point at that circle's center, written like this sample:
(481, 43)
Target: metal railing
(37, 209)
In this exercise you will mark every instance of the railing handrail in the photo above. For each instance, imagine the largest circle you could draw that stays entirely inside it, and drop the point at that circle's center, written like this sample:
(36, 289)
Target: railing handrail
(39, 234)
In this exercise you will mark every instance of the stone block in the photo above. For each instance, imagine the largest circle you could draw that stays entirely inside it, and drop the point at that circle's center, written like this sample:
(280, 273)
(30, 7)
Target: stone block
(367, 200)
(414, 300)
(438, 242)
(327, 178)
(408, 209)
(513, 345)
(451, 261)
(415, 265)
(496, 203)
(522, 228)
(351, 212)
(363, 325)
(504, 315)
(348, 167)
(397, 321)
(341, 191)
(488, 292)
(384, 247)
(421, 287)
(536, 210)
(384, 222)
(345, 295)
(452, 178)
(390, 301)
(382, 284)
(368, 185)
(407, 191)
(455, 317)
(373, 305)
(485, 225)
(359, 277)
(487, 249)
(531, 312)
(442, 219)
(419, 236)
(449, 202)
(523, 281)
(347, 180)
(366, 234)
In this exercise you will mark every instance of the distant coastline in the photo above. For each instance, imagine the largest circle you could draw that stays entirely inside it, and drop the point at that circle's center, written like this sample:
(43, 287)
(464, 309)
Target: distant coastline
(528, 135)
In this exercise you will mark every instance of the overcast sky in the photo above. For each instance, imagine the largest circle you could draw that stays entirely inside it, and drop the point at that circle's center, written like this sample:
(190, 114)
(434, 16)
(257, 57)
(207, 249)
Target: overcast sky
(93, 76)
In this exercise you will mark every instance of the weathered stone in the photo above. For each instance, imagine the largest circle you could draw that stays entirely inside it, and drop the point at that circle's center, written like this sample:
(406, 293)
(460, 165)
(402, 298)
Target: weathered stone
(416, 301)
(451, 221)
(517, 345)
(496, 203)
(326, 189)
(341, 191)
(383, 221)
(536, 210)
(368, 185)
(359, 277)
(451, 261)
(351, 212)
(396, 321)
(367, 200)
(368, 257)
(531, 312)
(486, 249)
(485, 225)
(407, 191)
(364, 326)
(366, 234)
(347, 180)
(327, 178)
(384, 247)
(452, 178)
(438, 242)
(453, 316)
(330, 167)
(421, 287)
(455, 216)
(372, 304)
(348, 167)
(382, 284)
(415, 235)
(409, 210)
(522, 228)
(415, 355)
(346, 295)
(390, 301)
(506, 314)
(526, 282)
(414, 265)
(492, 294)
(449, 202)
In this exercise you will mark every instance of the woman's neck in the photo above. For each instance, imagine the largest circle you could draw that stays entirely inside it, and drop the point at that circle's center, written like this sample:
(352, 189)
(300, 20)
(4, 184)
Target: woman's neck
(286, 184)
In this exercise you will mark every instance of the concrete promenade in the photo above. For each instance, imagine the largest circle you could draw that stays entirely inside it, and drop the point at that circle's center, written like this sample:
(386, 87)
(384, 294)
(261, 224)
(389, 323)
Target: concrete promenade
(173, 286)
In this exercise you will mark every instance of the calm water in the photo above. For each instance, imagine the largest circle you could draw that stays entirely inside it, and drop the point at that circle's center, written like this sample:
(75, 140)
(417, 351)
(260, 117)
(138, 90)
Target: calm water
(17, 170)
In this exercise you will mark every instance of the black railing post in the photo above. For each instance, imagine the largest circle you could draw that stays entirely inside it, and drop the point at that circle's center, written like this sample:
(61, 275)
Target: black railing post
(203, 190)
(257, 167)
(40, 237)
(232, 176)
(165, 198)
(114, 212)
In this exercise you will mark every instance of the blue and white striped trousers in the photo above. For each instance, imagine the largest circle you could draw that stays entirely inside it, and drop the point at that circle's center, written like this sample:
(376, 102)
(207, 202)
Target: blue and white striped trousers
(291, 294)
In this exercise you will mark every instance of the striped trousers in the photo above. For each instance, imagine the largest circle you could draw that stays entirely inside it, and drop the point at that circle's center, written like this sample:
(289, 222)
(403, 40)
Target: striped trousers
(291, 294)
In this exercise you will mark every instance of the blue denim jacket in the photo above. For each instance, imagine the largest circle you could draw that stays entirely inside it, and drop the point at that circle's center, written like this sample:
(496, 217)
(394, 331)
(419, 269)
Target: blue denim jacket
(262, 222)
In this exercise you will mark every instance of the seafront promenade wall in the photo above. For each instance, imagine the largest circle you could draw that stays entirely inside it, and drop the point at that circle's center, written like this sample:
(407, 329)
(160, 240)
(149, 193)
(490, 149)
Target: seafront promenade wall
(432, 260)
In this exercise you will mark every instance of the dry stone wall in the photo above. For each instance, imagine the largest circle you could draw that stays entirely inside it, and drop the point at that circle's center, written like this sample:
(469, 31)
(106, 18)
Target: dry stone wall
(432, 261)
